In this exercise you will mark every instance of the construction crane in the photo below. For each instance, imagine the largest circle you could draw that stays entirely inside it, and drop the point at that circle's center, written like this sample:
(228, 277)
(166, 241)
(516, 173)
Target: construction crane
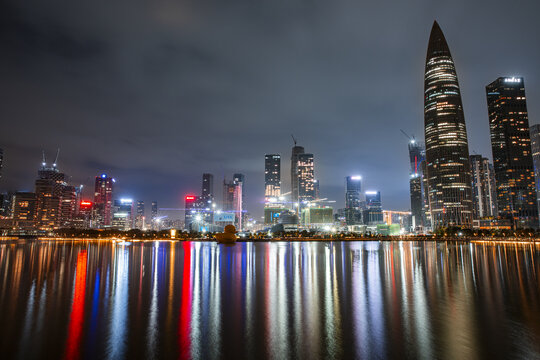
(294, 139)
(411, 138)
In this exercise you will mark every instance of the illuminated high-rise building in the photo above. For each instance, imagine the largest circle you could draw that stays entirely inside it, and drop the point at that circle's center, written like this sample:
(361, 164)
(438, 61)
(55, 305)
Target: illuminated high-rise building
(1, 161)
(534, 132)
(122, 217)
(373, 213)
(306, 178)
(154, 215)
(511, 146)
(208, 187)
(49, 190)
(272, 176)
(353, 189)
(233, 199)
(295, 181)
(103, 201)
(24, 210)
(417, 154)
(447, 151)
(483, 187)
(139, 216)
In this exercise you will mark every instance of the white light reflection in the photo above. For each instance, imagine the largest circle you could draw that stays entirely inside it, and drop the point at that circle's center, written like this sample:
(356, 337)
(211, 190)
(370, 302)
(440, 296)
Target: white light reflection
(119, 318)
(152, 330)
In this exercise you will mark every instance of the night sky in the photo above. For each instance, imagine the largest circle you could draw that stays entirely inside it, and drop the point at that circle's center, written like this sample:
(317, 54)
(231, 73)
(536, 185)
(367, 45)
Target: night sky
(157, 92)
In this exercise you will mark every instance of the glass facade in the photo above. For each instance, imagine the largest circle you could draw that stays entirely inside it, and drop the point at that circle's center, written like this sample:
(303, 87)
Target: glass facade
(447, 150)
(272, 176)
(512, 157)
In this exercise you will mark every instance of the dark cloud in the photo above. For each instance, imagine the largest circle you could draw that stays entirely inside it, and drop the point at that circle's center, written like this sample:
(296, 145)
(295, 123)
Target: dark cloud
(158, 92)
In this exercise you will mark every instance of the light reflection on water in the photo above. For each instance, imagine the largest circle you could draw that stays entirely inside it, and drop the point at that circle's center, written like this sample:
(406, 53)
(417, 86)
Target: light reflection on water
(269, 300)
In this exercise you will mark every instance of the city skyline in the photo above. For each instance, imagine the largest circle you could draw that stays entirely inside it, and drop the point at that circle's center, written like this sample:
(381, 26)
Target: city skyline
(327, 136)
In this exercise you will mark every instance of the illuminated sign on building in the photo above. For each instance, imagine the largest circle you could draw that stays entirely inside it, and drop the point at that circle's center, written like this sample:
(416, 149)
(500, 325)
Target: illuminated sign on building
(512, 80)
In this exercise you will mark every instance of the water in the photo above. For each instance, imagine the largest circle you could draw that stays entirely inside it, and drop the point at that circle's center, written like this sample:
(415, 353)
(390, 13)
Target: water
(277, 300)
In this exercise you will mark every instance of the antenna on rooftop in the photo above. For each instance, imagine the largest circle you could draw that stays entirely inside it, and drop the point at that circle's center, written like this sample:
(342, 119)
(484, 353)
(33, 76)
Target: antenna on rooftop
(43, 158)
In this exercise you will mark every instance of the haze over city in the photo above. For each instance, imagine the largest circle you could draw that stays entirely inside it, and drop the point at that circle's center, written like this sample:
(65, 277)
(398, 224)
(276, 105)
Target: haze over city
(155, 94)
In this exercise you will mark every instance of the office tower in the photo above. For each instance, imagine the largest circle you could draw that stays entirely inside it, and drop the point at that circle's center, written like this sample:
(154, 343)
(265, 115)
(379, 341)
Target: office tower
(417, 154)
(24, 210)
(447, 150)
(511, 146)
(122, 214)
(154, 215)
(232, 198)
(239, 200)
(49, 190)
(534, 132)
(373, 214)
(139, 217)
(272, 176)
(353, 189)
(103, 201)
(84, 216)
(483, 187)
(296, 151)
(6, 204)
(197, 214)
(306, 177)
(208, 187)
(68, 205)
(316, 189)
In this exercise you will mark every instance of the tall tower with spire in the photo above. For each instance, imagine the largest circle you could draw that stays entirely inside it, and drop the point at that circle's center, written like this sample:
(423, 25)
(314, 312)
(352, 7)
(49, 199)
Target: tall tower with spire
(448, 171)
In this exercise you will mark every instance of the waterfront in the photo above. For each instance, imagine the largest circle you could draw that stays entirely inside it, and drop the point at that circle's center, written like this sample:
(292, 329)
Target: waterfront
(371, 299)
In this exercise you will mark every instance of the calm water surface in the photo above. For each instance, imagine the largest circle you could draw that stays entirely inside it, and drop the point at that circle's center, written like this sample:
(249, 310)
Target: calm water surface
(269, 300)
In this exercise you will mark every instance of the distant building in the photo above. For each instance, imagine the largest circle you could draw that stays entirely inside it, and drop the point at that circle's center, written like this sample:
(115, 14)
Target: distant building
(49, 190)
(1, 161)
(272, 176)
(24, 210)
(317, 217)
(271, 215)
(139, 217)
(197, 213)
(83, 219)
(103, 201)
(208, 187)
(122, 217)
(511, 146)
(295, 181)
(154, 215)
(447, 149)
(483, 187)
(353, 189)
(68, 205)
(373, 214)
(535, 148)
(417, 155)
(306, 178)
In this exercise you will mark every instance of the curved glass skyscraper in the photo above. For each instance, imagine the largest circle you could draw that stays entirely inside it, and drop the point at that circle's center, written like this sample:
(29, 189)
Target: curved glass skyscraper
(447, 151)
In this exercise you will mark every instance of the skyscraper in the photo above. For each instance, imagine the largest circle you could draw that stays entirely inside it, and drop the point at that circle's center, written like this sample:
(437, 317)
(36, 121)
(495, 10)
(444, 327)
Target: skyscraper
(417, 154)
(233, 199)
(447, 150)
(49, 193)
(306, 178)
(353, 189)
(272, 176)
(511, 146)
(296, 151)
(139, 217)
(154, 215)
(24, 210)
(534, 132)
(122, 217)
(208, 187)
(373, 214)
(483, 187)
(103, 201)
